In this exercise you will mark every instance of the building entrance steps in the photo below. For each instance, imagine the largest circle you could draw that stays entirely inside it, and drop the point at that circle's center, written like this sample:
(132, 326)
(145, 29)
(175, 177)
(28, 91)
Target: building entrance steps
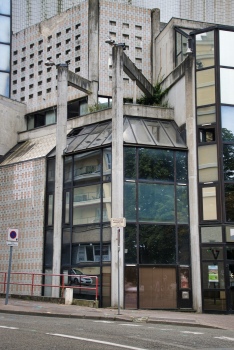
(28, 307)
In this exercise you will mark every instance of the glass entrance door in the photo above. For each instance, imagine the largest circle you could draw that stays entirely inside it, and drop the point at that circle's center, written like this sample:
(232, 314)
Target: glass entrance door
(231, 287)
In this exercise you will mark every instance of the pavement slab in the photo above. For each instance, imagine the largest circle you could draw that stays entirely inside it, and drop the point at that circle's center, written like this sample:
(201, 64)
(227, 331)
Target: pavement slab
(17, 306)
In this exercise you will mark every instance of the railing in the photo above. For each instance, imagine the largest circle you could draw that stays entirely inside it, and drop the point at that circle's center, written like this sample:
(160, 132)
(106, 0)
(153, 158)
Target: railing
(62, 286)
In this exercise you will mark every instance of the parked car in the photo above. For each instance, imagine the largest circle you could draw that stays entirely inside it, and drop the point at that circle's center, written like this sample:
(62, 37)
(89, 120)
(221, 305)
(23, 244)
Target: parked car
(78, 278)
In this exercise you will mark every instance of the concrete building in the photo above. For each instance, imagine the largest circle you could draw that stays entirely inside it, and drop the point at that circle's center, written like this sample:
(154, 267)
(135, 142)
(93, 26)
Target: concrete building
(78, 156)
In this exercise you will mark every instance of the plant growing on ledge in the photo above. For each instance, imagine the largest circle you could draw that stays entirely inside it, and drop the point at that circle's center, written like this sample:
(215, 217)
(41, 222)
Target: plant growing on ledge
(156, 99)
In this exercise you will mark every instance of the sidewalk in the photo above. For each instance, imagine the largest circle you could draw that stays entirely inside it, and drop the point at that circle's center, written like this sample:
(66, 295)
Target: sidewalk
(25, 307)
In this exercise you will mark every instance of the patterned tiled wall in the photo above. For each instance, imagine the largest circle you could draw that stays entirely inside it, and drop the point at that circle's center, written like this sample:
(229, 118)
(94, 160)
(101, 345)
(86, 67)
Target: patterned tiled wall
(65, 38)
(22, 188)
(62, 38)
(129, 24)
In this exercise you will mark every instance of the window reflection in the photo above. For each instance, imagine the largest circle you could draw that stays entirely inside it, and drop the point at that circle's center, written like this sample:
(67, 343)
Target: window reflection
(227, 85)
(206, 115)
(209, 203)
(181, 167)
(130, 244)
(86, 204)
(87, 167)
(214, 300)
(66, 247)
(50, 209)
(5, 7)
(229, 201)
(48, 247)
(107, 164)
(5, 29)
(212, 253)
(51, 174)
(4, 84)
(207, 163)
(204, 50)
(130, 163)
(157, 244)
(158, 133)
(205, 87)
(5, 57)
(156, 202)
(130, 201)
(227, 116)
(226, 49)
(106, 201)
(156, 164)
(183, 245)
(228, 162)
(67, 208)
(68, 171)
(229, 230)
(130, 287)
(182, 204)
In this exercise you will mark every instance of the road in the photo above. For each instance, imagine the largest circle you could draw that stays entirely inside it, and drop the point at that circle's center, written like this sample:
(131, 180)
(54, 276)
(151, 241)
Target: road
(36, 332)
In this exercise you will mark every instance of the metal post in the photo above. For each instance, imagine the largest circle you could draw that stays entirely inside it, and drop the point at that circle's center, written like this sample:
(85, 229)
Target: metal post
(9, 275)
(118, 272)
(32, 284)
(5, 283)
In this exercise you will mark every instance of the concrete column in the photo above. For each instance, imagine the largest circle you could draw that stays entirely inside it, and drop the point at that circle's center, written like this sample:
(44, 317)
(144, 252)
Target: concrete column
(155, 30)
(117, 173)
(61, 140)
(93, 42)
(193, 188)
(134, 91)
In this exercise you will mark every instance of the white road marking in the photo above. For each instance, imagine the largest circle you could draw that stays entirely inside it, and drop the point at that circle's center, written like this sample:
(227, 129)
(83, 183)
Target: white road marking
(8, 327)
(105, 321)
(131, 325)
(191, 332)
(225, 338)
(166, 329)
(96, 341)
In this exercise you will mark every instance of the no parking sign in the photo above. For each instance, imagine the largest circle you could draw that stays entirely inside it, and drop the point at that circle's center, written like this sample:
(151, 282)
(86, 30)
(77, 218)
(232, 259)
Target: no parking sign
(12, 237)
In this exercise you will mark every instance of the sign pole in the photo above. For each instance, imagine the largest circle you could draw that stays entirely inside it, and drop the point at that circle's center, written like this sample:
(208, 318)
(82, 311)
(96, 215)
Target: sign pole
(9, 275)
(118, 272)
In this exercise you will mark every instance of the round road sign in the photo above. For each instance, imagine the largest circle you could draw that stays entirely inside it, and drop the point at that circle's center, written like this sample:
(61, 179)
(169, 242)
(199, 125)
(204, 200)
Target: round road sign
(13, 234)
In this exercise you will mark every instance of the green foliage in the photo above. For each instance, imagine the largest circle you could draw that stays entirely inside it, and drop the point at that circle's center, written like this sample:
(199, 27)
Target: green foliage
(156, 99)
(97, 107)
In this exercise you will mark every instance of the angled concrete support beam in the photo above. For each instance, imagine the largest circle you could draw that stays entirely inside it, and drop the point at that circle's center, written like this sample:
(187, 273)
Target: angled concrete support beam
(80, 83)
(133, 72)
(61, 141)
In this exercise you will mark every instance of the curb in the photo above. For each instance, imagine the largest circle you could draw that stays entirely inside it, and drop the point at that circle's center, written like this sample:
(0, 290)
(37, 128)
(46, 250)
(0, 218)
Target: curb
(116, 318)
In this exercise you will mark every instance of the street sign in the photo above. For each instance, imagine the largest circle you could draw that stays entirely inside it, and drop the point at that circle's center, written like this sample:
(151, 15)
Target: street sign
(12, 241)
(119, 222)
(12, 237)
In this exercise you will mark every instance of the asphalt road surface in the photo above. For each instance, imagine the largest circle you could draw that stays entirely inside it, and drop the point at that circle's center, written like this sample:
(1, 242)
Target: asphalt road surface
(36, 332)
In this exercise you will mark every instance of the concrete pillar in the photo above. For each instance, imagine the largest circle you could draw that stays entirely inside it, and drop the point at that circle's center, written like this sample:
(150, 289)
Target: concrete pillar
(93, 42)
(117, 173)
(155, 30)
(192, 173)
(134, 91)
(61, 141)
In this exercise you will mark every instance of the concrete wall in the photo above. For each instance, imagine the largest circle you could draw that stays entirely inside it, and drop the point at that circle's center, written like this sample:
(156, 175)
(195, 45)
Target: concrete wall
(12, 120)
(165, 44)
(22, 189)
(96, 117)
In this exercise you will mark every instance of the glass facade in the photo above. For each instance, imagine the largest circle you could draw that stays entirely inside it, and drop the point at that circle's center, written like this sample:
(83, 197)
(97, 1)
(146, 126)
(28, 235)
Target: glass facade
(157, 231)
(215, 141)
(5, 47)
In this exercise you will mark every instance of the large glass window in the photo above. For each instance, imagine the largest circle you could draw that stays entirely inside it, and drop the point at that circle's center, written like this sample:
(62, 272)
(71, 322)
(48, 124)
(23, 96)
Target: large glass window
(183, 245)
(227, 117)
(205, 87)
(211, 234)
(157, 244)
(131, 244)
(156, 164)
(226, 49)
(156, 202)
(228, 162)
(182, 204)
(227, 85)
(86, 205)
(229, 202)
(207, 163)
(87, 167)
(5, 7)
(204, 50)
(206, 115)
(209, 203)
(5, 57)
(5, 29)
(4, 84)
